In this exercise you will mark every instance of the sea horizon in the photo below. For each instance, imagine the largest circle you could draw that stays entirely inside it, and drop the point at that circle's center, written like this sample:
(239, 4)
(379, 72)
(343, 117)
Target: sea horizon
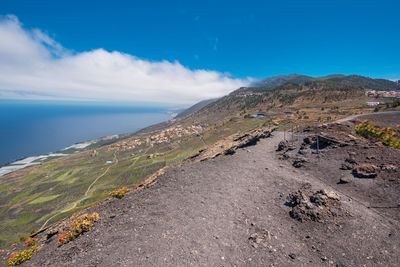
(33, 128)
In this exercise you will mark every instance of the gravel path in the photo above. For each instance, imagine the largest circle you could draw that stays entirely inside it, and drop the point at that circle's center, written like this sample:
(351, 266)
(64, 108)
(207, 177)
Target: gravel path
(229, 211)
(386, 114)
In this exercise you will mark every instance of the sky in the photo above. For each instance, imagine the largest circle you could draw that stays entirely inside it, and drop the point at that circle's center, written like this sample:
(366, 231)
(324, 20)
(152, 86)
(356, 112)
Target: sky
(180, 52)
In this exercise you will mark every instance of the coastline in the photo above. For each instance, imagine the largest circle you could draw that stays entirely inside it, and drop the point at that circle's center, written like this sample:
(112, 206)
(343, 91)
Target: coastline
(79, 146)
(36, 160)
(39, 159)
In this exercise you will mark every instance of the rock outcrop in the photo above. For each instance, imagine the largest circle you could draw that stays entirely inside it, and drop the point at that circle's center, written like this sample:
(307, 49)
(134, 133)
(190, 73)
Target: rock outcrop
(365, 171)
(316, 206)
(228, 145)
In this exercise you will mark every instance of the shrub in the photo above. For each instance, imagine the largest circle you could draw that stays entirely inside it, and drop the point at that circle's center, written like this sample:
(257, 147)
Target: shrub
(119, 193)
(31, 242)
(20, 257)
(75, 214)
(396, 103)
(81, 225)
(63, 238)
(384, 135)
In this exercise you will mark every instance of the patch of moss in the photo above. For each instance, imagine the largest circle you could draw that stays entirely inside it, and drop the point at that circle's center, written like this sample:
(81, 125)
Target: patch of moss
(44, 199)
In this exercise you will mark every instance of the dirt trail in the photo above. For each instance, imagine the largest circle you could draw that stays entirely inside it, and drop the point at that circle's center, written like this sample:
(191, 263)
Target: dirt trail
(75, 203)
(229, 211)
(366, 115)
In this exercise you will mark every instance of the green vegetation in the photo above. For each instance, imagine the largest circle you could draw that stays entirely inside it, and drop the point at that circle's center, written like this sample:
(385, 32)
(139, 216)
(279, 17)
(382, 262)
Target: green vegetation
(119, 193)
(384, 135)
(44, 199)
(20, 257)
(31, 242)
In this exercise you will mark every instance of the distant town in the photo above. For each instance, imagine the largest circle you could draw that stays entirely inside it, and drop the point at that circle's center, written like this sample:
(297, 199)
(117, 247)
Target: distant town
(165, 136)
(386, 94)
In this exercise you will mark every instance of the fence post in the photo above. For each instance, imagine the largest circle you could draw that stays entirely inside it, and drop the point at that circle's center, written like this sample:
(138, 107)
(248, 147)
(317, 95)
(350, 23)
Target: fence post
(292, 135)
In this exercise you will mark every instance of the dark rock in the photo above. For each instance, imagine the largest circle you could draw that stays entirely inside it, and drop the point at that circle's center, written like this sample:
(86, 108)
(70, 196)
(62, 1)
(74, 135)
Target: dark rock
(307, 140)
(325, 141)
(292, 256)
(304, 151)
(299, 162)
(284, 156)
(351, 160)
(50, 234)
(346, 180)
(229, 151)
(346, 166)
(282, 146)
(388, 168)
(315, 206)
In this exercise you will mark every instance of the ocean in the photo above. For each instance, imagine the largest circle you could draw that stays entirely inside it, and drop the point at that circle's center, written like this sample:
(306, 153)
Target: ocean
(30, 128)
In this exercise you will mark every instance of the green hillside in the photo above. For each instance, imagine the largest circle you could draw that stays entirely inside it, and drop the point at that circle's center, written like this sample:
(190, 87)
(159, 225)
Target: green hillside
(36, 196)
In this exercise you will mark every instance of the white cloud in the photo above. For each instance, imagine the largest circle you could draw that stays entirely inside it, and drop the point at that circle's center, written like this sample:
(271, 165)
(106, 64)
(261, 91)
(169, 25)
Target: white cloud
(33, 65)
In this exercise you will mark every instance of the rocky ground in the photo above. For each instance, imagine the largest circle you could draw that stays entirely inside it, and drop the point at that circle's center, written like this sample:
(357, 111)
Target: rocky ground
(352, 164)
(255, 207)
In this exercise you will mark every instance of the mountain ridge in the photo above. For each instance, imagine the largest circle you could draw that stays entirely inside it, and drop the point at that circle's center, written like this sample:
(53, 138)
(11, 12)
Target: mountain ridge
(296, 78)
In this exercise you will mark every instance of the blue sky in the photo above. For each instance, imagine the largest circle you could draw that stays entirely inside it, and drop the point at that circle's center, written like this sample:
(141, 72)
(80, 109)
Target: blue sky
(243, 38)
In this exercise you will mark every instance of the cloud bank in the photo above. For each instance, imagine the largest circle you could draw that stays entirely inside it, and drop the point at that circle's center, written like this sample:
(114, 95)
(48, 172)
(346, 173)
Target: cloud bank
(35, 66)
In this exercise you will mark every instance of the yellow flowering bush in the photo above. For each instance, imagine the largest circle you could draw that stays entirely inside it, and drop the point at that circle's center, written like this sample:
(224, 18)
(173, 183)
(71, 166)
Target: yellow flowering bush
(82, 224)
(385, 135)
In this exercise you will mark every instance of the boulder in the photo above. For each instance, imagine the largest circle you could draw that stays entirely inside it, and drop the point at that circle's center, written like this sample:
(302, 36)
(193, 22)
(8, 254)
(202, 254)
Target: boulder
(346, 180)
(283, 145)
(365, 171)
(346, 166)
(299, 162)
(351, 160)
(284, 156)
(316, 206)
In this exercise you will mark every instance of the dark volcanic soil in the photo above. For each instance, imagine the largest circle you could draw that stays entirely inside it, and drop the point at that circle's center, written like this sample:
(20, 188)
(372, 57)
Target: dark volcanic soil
(233, 211)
